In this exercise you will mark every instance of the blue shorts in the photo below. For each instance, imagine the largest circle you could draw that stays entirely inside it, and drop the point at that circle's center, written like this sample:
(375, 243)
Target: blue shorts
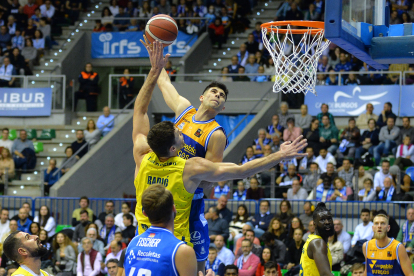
(199, 228)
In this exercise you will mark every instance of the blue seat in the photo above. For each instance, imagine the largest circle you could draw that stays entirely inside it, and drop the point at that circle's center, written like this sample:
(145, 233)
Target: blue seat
(410, 172)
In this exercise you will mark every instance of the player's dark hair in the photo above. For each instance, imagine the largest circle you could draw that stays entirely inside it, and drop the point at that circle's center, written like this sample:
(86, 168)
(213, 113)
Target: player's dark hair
(11, 246)
(161, 137)
(270, 265)
(231, 266)
(157, 202)
(319, 208)
(218, 85)
(365, 210)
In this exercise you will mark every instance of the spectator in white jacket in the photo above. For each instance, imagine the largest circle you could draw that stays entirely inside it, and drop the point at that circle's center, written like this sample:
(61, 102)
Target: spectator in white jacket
(405, 153)
(119, 220)
(46, 221)
(363, 231)
(381, 175)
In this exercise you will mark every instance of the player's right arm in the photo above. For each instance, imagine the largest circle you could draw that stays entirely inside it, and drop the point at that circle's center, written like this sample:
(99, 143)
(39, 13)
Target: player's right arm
(186, 261)
(200, 169)
(319, 253)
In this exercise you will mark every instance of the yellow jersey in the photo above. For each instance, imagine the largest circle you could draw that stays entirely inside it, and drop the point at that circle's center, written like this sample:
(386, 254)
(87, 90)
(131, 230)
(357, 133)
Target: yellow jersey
(170, 175)
(24, 270)
(308, 265)
(383, 261)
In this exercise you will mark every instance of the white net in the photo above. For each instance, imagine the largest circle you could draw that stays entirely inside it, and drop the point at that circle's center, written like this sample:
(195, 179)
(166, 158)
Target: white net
(295, 63)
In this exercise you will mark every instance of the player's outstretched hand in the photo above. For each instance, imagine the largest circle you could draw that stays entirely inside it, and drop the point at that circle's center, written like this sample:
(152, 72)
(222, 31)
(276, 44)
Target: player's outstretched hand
(209, 272)
(146, 42)
(156, 55)
(291, 149)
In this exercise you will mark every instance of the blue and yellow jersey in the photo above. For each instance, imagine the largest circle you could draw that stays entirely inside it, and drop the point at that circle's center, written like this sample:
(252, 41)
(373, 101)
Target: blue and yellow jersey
(196, 133)
(383, 261)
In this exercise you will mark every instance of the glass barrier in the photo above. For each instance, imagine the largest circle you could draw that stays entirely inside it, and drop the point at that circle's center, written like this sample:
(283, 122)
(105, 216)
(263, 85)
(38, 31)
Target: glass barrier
(123, 89)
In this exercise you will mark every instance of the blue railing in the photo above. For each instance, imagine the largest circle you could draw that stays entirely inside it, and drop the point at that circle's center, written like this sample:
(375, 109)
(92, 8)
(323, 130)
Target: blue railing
(348, 211)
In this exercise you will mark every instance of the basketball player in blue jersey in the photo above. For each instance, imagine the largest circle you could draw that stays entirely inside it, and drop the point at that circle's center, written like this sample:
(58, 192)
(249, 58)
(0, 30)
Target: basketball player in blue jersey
(384, 255)
(157, 251)
(203, 137)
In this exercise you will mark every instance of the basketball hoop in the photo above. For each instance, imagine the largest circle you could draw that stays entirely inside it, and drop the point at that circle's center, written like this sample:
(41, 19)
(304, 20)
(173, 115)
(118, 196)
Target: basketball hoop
(295, 71)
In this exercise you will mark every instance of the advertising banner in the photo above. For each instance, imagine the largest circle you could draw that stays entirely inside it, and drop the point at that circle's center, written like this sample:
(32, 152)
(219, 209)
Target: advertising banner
(407, 101)
(23, 102)
(127, 45)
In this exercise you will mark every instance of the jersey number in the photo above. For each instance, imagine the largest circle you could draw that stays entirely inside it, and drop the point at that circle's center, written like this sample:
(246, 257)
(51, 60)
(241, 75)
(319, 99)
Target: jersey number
(141, 272)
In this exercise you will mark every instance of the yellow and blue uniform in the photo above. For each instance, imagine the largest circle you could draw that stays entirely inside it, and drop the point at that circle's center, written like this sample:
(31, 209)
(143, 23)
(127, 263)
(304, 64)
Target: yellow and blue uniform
(197, 135)
(307, 265)
(170, 175)
(383, 261)
(25, 271)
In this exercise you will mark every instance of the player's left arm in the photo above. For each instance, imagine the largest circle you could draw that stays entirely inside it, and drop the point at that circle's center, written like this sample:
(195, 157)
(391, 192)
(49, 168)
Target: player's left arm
(405, 261)
(366, 262)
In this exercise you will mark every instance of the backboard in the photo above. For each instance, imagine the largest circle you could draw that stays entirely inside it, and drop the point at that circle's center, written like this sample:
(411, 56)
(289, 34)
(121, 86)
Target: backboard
(361, 27)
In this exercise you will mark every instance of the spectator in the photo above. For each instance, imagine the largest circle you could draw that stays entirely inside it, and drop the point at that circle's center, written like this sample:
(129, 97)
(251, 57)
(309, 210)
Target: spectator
(277, 247)
(311, 230)
(46, 221)
(4, 141)
(291, 132)
(381, 175)
(36, 17)
(328, 135)
(17, 41)
(23, 152)
(216, 32)
(405, 235)
(98, 245)
(134, 25)
(92, 134)
(303, 120)
(133, 12)
(261, 78)
(275, 143)
(363, 119)
(12, 227)
(296, 192)
(285, 215)
(252, 45)
(69, 162)
(231, 270)
(388, 136)
(129, 232)
(341, 192)
(223, 77)
(224, 254)
(385, 114)
(362, 175)
(260, 142)
(240, 193)
(352, 80)
(89, 259)
(368, 192)
(262, 61)
(267, 266)
(119, 218)
(126, 89)
(306, 161)
(116, 251)
(5, 37)
(324, 111)
(78, 144)
(65, 253)
(324, 159)
(333, 79)
(337, 252)
(7, 70)
(221, 189)
(275, 129)
(248, 262)
(170, 70)
(405, 153)
(358, 269)
(294, 250)
(344, 65)
(88, 89)
(394, 19)
(18, 62)
(284, 181)
(121, 24)
(349, 141)
(406, 130)
(25, 206)
(217, 225)
(45, 29)
(106, 121)
(80, 229)
(323, 65)
(84, 205)
(277, 229)
(307, 216)
(34, 229)
(325, 190)
(11, 24)
(107, 16)
(199, 8)
(260, 222)
(30, 54)
(282, 10)
(47, 10)
(73, 8)
(214, 263)
(39, 42)
(6, 166)
(29, 8)
(313, 15)
(50, 175)
(294, 13)
(251, 67)
(109, 209)
(388, 192)
(347, 172)
(342, 235)
(44, 240)
(247, 232)
(312, 135)
(369, 140)
(108, 230)
(363, 231)
(284, 114)
(241, 76)
(242, 55)
(311, 178)
(4, 222)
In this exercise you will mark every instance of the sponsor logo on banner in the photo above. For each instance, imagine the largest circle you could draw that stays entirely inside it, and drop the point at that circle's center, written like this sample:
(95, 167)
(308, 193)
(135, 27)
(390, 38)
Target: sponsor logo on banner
(25, 101)
(352, 100)
(126, 44)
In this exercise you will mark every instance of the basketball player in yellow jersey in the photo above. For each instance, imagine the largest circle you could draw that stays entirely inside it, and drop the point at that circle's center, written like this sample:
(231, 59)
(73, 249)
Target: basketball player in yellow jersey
(384, 255)
(157, 162)
(316, 257)
(27, 251)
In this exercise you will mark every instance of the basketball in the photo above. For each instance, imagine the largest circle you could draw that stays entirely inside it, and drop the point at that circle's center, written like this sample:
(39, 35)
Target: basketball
(162, 28)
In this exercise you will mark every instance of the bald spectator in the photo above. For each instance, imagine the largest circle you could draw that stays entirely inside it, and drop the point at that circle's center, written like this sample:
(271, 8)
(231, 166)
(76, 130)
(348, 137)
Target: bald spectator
(106, 121)
(362, 121)
(217, 225)
(307, 216)
(343, 236)
(23, 224)
(388, 192)
(223, 211)
(26, 206)
(223, 253)
(311, 230)
(116, 251)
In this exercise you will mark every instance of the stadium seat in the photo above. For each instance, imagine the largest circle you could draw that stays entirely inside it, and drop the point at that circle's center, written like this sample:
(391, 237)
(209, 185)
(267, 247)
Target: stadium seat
(410, 171)
(12, 134)
(336, 273)
(60, 227)
(38, 146)
(47, 134)
(31, 133)
(284, 271)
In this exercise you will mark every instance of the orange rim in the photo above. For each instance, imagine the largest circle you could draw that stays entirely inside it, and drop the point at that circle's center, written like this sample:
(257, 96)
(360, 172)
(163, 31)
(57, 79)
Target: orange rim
(317, 26)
